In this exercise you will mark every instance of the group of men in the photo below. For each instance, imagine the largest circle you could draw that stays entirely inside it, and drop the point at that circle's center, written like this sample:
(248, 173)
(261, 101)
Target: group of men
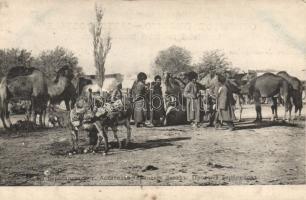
(149, 105)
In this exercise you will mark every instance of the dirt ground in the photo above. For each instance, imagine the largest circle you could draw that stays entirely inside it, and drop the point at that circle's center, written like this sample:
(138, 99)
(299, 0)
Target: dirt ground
(266, 153)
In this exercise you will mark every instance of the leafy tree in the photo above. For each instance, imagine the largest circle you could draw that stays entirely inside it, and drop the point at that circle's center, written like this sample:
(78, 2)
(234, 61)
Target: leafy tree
(101, 43)
(173, 59)
(213, 62)
(14, 57)
(50, 61)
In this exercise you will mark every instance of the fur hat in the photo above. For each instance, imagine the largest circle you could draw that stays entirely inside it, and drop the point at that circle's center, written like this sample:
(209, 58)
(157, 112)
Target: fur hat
(221, 78)
(192, 75)
(141, 76)
(157, 77)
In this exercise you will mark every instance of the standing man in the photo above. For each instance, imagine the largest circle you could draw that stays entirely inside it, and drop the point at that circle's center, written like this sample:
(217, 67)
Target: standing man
(157, 103)
(90, 99)
(140, 104)
(224, 104)
(191, 92)
(117, 93)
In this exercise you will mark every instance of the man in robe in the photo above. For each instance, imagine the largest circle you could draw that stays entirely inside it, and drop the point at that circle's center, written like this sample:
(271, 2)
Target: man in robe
(140, 100)
(192, 94)
(157, 103)
(225, 101)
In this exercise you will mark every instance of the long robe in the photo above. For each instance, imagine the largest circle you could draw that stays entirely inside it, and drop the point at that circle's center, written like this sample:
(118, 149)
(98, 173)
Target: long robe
(140, 104)
(191, 92)
(225, 101)
(116, 95)
(157, 109)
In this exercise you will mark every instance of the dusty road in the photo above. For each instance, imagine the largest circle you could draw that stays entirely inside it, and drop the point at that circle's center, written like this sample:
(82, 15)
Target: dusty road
(270, 153)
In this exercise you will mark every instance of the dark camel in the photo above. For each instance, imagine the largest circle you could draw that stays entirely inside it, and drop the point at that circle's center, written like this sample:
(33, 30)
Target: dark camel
(175, 101)
(69, 96)
(296, 92)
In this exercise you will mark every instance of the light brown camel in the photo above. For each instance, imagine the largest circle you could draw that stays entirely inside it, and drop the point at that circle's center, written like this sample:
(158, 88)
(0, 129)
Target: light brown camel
(269, 85)
(31, 84)
(63, 90)
(24, 84)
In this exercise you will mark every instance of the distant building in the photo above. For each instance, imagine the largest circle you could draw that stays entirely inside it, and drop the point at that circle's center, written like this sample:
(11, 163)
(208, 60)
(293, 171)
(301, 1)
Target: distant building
(90, 82)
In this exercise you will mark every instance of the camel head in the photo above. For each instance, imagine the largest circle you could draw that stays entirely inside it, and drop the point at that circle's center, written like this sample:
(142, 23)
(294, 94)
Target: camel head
(65, 71)
(166, 75)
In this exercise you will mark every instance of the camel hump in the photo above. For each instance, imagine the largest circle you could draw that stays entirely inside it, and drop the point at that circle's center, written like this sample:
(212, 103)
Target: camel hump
(20, 71)
(283, 73)
(269, 74)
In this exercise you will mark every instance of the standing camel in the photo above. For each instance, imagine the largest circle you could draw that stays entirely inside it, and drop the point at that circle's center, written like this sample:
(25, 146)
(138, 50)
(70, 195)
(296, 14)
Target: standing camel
(31, 84)
(296, 92)
(68, 95)
(211, 83)
(270, 85)
(24, 84)
(62, 89)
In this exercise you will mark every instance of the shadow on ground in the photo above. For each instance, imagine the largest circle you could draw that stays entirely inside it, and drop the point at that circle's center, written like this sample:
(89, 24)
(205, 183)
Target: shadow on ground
(149, 144)
(257, 125)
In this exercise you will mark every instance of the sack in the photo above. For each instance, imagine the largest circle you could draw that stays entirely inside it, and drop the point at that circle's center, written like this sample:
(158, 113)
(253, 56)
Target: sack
(101, 111)
(118, 105)
(88, 116)
(88, 126)
(76, 123)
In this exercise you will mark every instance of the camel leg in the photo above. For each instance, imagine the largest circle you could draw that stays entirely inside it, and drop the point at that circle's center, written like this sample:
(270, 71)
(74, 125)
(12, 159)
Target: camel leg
(240, 107)
(34, 117)
(274, 108)
(41, 119)
(300, 110)
(33, 113)
(115, 130)
(3, 113)
(257, 108)
(290, 104)
(3, 120)
(44, 117)
(67, 105)
(288, 107)
(7, 115)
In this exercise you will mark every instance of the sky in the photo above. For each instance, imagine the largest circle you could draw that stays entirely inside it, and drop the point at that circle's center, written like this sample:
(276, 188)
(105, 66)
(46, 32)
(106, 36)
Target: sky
(252, 34)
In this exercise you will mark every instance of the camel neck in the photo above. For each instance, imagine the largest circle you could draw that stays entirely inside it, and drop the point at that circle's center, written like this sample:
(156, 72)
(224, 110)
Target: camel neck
(58, 87)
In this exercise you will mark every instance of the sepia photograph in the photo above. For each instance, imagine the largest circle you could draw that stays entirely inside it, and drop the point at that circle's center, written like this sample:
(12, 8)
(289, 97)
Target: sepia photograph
(152, 93)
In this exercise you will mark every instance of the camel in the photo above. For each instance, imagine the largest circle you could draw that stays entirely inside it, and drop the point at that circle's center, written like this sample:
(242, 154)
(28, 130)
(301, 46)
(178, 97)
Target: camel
(174, 87)
(211, 83)
(62, 89)
(296, 92)
(31, 84)
(270, 85)
(82, 82)
(175, 101)
(69, 96)
(24, 84)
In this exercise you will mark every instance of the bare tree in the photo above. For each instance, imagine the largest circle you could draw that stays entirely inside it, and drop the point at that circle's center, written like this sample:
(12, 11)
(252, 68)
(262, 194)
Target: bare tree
(101, 43)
